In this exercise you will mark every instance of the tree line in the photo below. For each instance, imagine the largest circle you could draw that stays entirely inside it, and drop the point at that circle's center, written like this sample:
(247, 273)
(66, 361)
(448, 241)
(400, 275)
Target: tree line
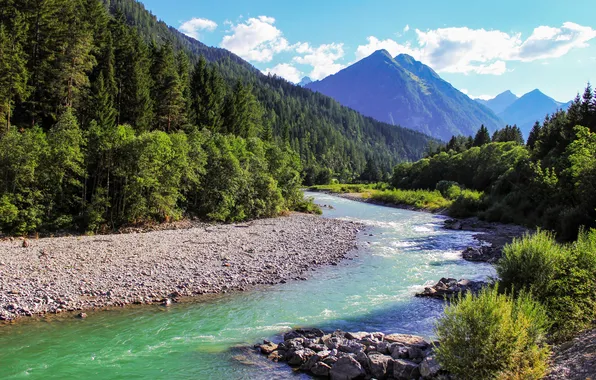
(99, 128)
(548, 180)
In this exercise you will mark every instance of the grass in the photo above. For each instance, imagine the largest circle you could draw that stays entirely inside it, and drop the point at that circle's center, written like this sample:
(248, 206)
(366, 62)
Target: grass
(420, 199)
(462, 203)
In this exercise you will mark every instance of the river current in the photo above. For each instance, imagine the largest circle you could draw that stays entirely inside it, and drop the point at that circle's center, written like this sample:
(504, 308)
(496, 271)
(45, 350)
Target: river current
(399, 253)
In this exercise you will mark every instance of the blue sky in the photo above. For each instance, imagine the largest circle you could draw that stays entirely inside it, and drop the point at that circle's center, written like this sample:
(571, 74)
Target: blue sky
(481, 47)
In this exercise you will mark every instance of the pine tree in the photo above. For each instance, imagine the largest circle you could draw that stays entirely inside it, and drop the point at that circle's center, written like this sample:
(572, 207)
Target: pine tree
(183, 68)
(13, 70)
(243, 115)
(167, 89)
(534, 136)
(207, 96)
(103, 103)
(482, 136)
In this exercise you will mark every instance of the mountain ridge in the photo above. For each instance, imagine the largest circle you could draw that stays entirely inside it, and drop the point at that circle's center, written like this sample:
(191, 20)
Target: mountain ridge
(403, 91)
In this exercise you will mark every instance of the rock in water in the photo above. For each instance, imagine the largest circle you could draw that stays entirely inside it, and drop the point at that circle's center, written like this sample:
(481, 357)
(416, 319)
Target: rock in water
(405, 370)
(347, 368)
(378, 364)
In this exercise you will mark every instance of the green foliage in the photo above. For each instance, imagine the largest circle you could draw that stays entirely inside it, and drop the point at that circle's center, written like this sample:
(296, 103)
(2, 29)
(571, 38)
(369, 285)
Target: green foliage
(420, 199)
(561, 277)
(493, 336)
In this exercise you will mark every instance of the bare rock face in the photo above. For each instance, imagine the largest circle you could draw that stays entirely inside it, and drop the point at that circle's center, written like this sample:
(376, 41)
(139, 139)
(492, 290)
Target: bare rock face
(356, 355)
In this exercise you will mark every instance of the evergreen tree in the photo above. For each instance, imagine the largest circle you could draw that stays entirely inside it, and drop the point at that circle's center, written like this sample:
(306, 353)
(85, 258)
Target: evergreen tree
(207, 96)
(13, 71)
(534, 136)
(243, 115)
(167, 89)
(103, 104)
(482, 136)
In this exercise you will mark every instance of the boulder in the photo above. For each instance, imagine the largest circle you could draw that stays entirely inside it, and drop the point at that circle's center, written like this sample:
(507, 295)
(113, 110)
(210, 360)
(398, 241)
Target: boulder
(429, 368)
(378, 364)
(268, 347)
(351, 347)
(347, 368)
(405, 369)
(407, 340)
(276, 356)
(321, 369)
(296, 358)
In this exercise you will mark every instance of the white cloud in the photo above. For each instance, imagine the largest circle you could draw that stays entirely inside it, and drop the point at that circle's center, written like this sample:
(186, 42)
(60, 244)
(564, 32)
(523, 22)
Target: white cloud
(407, 28)
(322, 59)
(483, 97)
(257, 39)
(285, 71)
(464, 90)
(480, 51)
(195, 25)
(549, 42)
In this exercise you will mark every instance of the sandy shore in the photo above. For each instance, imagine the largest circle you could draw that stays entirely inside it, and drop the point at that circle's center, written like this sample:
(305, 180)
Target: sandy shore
(52, 275)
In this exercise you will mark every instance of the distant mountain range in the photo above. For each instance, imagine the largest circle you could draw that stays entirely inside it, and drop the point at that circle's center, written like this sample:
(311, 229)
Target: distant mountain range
(304, 81)
(524, 111)
(403, 91)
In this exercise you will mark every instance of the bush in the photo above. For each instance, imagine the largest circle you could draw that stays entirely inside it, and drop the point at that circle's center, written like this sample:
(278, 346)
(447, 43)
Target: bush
(468, 203)
(449, 189)
(561, 277)
(531, 262)
(493, 336)
(421, 199)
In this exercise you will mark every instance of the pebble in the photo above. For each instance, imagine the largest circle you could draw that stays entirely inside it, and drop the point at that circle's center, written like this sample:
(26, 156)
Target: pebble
(87, 272)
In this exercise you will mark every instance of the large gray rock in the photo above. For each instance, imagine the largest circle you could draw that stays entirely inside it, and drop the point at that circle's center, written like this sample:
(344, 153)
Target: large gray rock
(298, 357)
(378, 365)
(405, 369)
(429, 368)
(347, 368)
(407, 340)
(321, 369)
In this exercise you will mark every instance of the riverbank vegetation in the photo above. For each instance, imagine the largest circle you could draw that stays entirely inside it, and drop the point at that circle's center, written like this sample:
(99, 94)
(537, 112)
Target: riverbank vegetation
(108, 117)
(548, 182)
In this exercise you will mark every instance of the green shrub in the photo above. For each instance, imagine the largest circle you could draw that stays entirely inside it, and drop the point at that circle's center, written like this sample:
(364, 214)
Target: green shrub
(449, 189)
(561, 277)
(531, 262)
(493, 336)
(421, 199)
(468, 203)
(308, 206)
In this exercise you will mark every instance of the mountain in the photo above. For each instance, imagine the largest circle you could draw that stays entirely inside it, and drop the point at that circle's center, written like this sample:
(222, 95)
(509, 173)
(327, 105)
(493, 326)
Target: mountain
(325, 134)
(304, 81)
(528, 109)
(403, 91)
(499, 103)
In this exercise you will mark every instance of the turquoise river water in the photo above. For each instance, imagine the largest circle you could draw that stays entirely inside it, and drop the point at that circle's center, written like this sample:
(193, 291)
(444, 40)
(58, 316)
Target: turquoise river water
(373, 290)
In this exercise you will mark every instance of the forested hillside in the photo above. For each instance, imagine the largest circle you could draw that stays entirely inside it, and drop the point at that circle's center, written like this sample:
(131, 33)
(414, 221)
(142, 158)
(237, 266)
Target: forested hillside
(105, 124)
(324, 133)
(549, 181)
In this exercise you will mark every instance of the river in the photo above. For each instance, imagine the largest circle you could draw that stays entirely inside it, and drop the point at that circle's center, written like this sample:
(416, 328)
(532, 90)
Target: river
(372, 290)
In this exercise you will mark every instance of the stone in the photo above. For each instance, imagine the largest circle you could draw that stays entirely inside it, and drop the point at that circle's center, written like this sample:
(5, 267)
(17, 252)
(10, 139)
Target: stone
(25, 244)
(429, 368)
(296, 358)
(311, 333)
(351, 347)
(407, 340)
(276, 356)
(82, 315)
(347, 368)
(268, 347)
(405, 369)
(321, 369)
(398, 351)
(356, 335)
(378, 364)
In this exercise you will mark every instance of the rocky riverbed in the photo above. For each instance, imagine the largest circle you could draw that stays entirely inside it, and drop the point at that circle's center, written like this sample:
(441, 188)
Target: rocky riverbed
(355, 355)
(52, 275)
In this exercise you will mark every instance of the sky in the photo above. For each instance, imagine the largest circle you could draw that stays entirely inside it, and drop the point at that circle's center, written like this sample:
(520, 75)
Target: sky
(481, 47)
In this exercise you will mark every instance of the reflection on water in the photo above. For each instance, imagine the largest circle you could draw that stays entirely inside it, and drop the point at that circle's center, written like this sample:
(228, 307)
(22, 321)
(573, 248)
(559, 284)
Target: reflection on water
(400, 252)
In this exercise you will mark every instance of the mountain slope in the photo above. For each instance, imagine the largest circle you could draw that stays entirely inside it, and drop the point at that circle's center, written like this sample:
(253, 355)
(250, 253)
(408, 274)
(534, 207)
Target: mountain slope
(528, 109)
(322, 131)
(499, 103)
(403, 91)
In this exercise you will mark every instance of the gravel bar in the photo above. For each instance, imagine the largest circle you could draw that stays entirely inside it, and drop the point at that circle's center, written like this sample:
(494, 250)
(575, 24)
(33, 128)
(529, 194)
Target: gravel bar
(52, 275)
